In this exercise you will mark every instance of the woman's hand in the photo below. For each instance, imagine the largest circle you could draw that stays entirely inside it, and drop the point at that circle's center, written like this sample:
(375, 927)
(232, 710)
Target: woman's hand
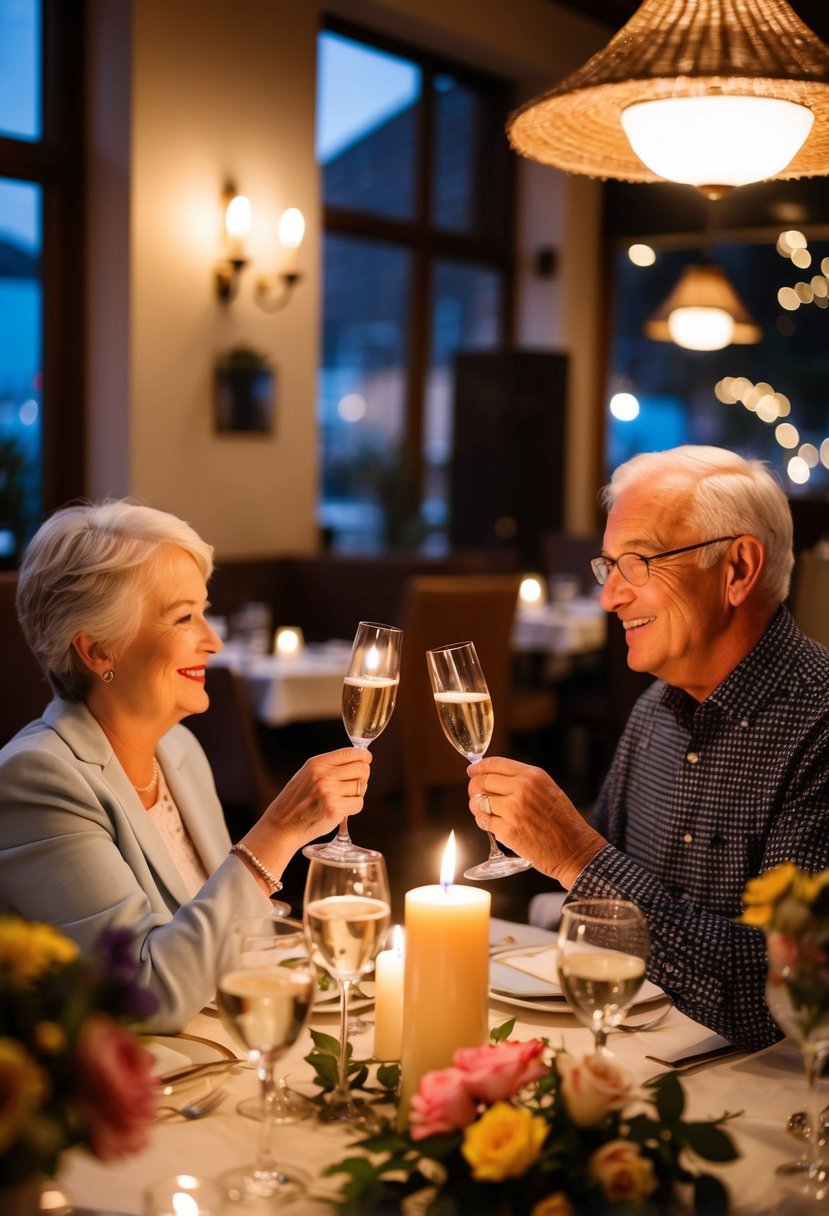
(525, 809)
(326, 790)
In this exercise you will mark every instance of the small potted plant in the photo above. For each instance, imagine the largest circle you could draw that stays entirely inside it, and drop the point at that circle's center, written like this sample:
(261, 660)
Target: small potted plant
(245, 382)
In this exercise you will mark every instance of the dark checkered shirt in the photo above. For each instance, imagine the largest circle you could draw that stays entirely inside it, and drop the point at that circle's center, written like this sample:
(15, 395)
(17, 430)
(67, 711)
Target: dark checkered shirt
(703, 796)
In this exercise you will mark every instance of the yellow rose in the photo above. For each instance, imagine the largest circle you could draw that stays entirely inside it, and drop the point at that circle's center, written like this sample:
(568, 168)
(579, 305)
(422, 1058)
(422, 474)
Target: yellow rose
(556, 1204)
(769, 886)
(503, 1143)
(623, 1174)
(759, 915)
(23, 1087)
(27, 950)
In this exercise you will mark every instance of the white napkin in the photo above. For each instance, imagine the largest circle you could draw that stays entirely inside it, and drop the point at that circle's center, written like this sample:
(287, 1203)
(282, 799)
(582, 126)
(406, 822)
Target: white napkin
(541, 964)
(167, 1059)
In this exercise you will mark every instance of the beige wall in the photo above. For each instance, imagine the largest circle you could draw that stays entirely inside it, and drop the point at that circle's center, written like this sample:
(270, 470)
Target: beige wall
(185, 93)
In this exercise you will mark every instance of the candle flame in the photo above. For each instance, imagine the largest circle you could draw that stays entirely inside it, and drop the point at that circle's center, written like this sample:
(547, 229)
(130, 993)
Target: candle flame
(397, 940)
(447, 868)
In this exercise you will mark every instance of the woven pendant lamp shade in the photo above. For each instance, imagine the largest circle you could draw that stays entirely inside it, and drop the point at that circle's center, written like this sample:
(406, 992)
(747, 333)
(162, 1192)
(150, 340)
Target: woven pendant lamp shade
(674, 49)
(704, 286)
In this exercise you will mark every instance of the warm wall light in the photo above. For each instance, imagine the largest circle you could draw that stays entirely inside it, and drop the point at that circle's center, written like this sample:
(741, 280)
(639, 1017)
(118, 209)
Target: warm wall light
(288, 641)
(237, 219)
(533, 591)
(273, 292)
(703, 312)
(716, 93)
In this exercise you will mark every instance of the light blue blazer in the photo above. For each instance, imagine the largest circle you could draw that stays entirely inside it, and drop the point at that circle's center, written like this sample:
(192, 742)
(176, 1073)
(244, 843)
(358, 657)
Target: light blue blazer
(78, 849)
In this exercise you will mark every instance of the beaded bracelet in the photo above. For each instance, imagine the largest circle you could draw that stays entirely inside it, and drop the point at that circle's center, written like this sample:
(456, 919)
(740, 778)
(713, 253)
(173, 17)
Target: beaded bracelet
(258, 865)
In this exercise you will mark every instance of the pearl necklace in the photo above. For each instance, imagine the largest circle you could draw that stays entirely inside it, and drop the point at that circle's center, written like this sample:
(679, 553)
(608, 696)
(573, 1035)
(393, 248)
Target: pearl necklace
(145, 789)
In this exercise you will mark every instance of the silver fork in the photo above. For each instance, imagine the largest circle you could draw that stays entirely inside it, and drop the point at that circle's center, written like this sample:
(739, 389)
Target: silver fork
(632, 1027)
(196, 1108)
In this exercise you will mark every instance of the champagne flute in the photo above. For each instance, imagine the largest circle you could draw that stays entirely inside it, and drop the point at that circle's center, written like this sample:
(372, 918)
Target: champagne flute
(266, 989)
(369, 694)
(347, 913)
(465, 710)
(603, 947)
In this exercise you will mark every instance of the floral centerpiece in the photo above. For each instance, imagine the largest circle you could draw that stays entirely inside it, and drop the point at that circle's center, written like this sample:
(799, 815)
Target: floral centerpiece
(792, 906)
(70, 1071)
(521, 1129)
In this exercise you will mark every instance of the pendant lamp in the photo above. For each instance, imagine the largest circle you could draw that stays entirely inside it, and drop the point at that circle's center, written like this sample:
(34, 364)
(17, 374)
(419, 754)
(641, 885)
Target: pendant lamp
(703, 312)
(713, 93)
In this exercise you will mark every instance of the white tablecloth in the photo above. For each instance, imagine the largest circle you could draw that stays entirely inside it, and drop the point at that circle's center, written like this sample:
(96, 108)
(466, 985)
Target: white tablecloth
(301, 688)
(569, 629)
(766, 1086)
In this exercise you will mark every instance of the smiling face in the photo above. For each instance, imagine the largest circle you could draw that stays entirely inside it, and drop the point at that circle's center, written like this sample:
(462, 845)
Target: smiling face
(161, 674)
(677, 625)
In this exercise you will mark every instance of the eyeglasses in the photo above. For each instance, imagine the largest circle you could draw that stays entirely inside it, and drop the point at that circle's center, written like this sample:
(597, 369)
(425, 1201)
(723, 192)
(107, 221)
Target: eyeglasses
(635, 568)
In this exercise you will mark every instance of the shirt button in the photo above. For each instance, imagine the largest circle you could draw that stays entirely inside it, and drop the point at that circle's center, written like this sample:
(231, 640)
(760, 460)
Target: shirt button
(687, 838)
(669, 967)
(744, 723)
(692, 757)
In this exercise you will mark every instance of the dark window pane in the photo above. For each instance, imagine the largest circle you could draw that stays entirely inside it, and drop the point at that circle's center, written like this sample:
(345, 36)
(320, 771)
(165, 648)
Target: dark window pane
(466, 315)
(466, 194)
(367, 107)
(766, 399)
(20, 364)
(363, 389)
(20, 69)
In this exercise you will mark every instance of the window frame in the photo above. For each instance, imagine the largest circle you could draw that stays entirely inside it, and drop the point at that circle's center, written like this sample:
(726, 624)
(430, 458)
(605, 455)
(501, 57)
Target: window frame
(55, 163)
(427, 243)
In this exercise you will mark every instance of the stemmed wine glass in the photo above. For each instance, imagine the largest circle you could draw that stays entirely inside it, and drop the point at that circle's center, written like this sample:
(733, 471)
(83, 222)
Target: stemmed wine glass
(266, 988)
(347, 913)
(603, 947)
(465, 710)
(797, 995)
(369, 694)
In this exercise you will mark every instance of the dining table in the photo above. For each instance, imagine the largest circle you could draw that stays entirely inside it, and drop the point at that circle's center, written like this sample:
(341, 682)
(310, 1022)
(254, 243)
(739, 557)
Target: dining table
(762, 1089)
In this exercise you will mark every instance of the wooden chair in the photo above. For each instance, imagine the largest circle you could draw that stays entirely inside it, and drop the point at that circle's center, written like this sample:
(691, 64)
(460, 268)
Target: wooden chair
(439, 610)
(27, 689)
(810, 595)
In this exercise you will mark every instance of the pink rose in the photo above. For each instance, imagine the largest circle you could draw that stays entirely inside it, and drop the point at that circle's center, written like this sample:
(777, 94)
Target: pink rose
(591, 1087)
(442, 1104)
(496, 1072)
(117, 1088)
(624, 1175)
(783, 952)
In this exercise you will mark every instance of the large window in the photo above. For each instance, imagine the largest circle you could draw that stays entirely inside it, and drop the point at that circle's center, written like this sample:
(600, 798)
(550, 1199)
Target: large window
(41, 437)
(416, 267)
(766, 397)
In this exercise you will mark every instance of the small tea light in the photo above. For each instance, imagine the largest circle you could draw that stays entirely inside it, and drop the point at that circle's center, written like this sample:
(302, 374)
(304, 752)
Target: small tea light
(533, 591)
(288, 642)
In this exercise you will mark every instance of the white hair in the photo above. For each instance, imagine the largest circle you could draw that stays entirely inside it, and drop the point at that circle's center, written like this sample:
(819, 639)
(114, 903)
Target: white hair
(85, 571)
(731, 496)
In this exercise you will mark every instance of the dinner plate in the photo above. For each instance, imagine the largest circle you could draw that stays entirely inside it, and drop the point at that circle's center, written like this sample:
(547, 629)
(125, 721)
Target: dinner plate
(329, 1001)
(174, 1051)
(513, 986)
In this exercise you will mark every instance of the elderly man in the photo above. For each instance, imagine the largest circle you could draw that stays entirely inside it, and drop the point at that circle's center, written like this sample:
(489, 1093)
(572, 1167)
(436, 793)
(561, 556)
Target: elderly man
(723, 768)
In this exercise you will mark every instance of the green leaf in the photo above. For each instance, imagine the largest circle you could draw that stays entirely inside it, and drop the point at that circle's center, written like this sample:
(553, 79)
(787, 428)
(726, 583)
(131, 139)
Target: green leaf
(670, 1099)
(499, 1033)
(710, 1142)
(710, 1196)
(388, 1075)
(326, 1043)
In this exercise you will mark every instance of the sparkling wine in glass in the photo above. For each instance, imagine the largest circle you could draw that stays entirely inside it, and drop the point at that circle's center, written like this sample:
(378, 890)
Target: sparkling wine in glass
(369, 694)
(465, 711)
(266, 989)
(603, 947)
(347, 913)
(797, 994)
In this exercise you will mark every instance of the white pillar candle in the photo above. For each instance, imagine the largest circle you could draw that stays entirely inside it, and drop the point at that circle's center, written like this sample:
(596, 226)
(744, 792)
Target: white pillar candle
(446, 977)
(388, 1000)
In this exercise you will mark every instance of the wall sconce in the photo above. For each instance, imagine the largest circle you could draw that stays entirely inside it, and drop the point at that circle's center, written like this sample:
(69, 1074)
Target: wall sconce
(715, 94)
(273, 292)
(237, 219)
(288, 642)
(703, 312)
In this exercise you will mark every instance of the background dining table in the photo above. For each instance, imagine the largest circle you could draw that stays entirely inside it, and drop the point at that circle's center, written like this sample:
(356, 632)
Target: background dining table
(764, 1087)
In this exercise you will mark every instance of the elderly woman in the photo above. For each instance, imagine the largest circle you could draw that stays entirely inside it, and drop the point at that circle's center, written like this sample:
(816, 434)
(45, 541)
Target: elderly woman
(109, 816)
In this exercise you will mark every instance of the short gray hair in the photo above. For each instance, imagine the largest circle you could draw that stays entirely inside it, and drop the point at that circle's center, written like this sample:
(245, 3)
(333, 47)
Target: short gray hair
(84, 571)
(732, 495)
